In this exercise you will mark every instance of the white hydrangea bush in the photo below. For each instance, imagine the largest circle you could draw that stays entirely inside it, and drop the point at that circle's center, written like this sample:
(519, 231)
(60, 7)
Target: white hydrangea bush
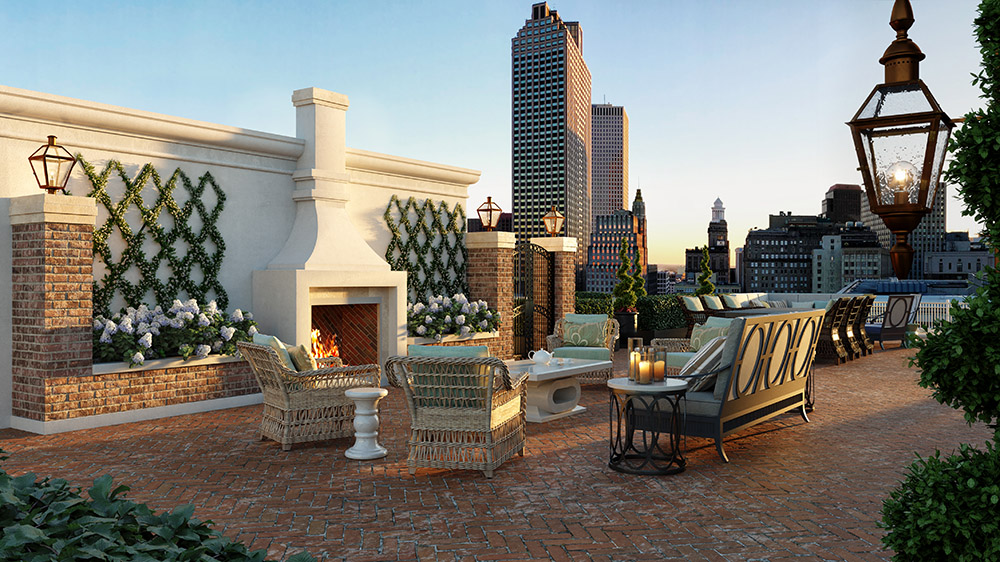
(186, 330)
(442, 316)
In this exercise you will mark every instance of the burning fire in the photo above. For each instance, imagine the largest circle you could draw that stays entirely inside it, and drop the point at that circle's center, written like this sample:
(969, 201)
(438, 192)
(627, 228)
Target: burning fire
(324, 346)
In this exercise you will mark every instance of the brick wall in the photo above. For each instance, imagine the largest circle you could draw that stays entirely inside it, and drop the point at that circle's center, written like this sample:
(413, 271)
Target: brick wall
(74, 397)
(51, 309)
(490, 274)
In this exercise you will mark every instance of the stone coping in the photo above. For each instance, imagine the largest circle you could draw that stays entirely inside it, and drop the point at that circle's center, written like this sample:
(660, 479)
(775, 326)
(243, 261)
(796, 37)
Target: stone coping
(454, 338)
(160, 364)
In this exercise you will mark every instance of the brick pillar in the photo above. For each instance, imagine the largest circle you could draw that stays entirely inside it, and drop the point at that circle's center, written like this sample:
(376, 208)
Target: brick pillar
(564, 251)
(490, 273)
(52, 308)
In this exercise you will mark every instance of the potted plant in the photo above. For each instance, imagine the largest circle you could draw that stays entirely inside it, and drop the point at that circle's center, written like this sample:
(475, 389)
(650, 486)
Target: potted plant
(625, 311)
(705, 285)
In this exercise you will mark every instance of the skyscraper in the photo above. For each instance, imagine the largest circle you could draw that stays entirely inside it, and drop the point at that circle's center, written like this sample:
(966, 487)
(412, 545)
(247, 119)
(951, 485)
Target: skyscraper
(609, 230)
(718, 248)
(550, 124)
(609, 172)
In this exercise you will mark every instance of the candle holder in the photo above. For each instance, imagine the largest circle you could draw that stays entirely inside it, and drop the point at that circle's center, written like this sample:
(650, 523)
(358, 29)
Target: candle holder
(645, 367)
(659, 364)
(634, 357)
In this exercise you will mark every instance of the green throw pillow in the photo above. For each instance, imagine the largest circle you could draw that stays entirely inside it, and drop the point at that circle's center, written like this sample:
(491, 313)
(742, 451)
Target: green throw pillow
(447, 351)
(584, 335)
(701, 334)
(279, 348)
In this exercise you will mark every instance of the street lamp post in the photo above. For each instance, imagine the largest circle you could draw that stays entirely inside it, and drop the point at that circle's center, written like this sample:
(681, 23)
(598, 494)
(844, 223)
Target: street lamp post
(901, 134)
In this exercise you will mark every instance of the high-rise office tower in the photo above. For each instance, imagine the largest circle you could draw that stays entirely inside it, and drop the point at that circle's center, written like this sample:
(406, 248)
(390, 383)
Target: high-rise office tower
(927, 237)
(718, 248)
(550, 123)
(609, 171)
(609, 230)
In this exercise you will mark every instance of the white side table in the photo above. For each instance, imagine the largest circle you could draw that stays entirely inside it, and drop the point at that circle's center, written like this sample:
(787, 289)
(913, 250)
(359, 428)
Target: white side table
(366, 445)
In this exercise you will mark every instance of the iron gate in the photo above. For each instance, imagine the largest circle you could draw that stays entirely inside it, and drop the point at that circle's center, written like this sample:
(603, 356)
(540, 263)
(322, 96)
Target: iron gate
(534, 297)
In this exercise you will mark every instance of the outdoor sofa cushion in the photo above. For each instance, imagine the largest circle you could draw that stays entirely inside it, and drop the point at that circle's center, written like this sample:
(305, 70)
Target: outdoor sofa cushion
(704, 360)
(757, 303)
(702, 403)
(595, 353)
(713, 327)
(734, 300)
(447, 351)
(693, 304)
(278, 346)
(729, 356)
(712, 302)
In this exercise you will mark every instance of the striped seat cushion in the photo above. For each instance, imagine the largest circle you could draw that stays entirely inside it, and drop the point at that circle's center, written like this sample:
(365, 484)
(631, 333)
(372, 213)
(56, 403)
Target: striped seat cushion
(706, 359)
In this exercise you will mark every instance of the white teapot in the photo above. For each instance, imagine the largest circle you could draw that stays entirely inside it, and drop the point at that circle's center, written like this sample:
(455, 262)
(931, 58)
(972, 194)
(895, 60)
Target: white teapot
(540, 356)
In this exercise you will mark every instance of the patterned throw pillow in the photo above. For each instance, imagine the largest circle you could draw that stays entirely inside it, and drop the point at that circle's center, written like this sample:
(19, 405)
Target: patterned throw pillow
(705, 360)
(701, 334)
(757, 303)
(584, 335)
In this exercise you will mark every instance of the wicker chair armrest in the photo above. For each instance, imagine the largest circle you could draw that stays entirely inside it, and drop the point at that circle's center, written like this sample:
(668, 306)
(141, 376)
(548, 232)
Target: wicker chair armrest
(329, 362)
(672, 344)
(553, 342)
(353, 376)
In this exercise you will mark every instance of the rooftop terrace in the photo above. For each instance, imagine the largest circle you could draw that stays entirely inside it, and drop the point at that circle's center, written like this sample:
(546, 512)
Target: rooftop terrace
(792, 491)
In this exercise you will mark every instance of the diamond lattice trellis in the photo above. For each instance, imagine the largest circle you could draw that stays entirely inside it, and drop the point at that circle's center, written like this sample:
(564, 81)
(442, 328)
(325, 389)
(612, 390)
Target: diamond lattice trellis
(179, 284)
(430, 247)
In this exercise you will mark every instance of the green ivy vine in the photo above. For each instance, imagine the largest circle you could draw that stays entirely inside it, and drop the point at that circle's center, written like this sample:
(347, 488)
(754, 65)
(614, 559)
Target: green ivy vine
(431, 248)
(115, 281)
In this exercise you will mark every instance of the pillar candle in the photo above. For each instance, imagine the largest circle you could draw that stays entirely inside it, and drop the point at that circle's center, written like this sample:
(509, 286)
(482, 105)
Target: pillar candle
(659, 369)
(645, 372)
(633, 365)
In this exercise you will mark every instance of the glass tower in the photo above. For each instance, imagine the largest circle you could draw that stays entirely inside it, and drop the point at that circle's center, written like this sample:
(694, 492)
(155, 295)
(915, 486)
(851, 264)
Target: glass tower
(550, 125)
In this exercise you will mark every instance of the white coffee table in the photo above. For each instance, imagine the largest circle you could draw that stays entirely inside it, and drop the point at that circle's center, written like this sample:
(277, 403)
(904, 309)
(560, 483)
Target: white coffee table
(553, 391)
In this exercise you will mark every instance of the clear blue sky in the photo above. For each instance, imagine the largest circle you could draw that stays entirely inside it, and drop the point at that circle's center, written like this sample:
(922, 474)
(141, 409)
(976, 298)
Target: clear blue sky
(744, 100)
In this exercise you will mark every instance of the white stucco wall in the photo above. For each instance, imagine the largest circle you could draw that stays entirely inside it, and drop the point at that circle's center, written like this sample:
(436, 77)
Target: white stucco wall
(253, 168)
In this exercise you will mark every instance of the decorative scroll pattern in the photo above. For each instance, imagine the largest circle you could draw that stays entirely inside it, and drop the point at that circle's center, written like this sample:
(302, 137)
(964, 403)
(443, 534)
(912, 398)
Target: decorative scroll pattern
(428, 242)
(198, 254)
(773, 351)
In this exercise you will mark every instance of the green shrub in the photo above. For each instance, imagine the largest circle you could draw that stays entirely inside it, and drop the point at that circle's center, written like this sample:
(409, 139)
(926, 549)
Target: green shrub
(705, 285)
(624, 291)
(947, 509)
(594, 303)
(960, 359)
(659, 312)
(48, 519)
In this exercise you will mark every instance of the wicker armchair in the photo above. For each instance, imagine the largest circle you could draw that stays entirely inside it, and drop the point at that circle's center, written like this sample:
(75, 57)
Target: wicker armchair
(611, 331)
(672, 345)
(465, 412)
(308, 405)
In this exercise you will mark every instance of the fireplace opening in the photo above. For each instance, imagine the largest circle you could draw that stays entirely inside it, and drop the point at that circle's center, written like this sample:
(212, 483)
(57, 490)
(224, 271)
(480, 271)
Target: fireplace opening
(349, 331)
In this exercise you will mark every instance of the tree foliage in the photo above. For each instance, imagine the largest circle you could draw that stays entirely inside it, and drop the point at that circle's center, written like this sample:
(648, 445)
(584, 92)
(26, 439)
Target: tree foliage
(624, 295)
(638, 279)
(705, 285)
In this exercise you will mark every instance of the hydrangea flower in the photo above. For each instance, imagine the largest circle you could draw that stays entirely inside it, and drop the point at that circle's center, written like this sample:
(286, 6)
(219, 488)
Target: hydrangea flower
(106, 337)
(446, 302)
(98, 323)
(110, 328)
(460, 319)
(252, 330)
(202, 351)
(211, 308)
(203, 320)
(418, 308)
(217, 345)
(488, 314)
(474, 307)
(466, 309)
(227, 332)
(138, 359)
(186, 315)
(433, 307)
(248, 315)
(125, 325)
(421, 330)
(447, 319)
(428, 319)
(236, 316)
(146, 340)
(484, 324)
(465, 330)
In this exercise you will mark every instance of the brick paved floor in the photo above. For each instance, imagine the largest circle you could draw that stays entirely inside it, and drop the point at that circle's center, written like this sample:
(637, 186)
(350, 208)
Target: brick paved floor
(791, 491)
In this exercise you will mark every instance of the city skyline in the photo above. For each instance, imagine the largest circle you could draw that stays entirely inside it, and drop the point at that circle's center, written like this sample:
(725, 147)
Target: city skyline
(742, 101)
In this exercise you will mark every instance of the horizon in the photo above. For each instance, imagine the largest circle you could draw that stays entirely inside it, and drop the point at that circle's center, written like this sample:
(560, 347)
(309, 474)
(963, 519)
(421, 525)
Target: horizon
(709, 116)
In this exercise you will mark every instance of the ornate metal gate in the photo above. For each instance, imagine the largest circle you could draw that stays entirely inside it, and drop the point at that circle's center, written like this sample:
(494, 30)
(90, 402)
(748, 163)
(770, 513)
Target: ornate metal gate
(534, 297)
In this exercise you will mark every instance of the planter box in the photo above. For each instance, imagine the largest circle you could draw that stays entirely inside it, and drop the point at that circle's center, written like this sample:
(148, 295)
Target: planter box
(489, 339)
(116, 393)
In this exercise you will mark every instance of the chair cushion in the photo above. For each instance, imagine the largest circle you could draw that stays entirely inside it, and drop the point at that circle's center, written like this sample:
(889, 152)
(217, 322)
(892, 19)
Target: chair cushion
(705, 359)
(757, 303)
(702, 334)
(278, 346)
(595, 353)
(734, 300)
(585, 318)
(713, 302)
(677, 359)
(590, 334)
(822, 304)
(693, 304)
(302, 358)
(702, 403)
(778, 303)
(447, 351)
(717, 322)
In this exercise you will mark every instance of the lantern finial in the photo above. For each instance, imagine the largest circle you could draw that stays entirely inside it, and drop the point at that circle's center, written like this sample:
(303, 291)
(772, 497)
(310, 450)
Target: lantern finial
(902, 58)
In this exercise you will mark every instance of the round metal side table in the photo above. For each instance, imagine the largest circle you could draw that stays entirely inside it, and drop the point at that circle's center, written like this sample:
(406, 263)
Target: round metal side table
(647, 426)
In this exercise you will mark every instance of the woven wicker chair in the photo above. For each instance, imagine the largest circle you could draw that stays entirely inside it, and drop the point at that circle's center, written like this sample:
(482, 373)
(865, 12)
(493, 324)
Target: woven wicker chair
(611, 331)
(308, 405)
(465, 412)
(681, 345)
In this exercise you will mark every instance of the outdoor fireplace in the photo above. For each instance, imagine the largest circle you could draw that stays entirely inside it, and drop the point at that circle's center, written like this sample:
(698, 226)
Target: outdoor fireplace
(349, 331)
